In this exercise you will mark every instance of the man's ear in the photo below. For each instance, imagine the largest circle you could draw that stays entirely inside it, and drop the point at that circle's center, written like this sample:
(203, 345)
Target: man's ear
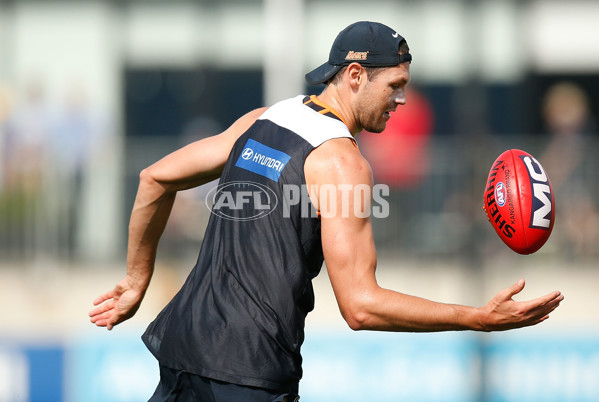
(356, 74)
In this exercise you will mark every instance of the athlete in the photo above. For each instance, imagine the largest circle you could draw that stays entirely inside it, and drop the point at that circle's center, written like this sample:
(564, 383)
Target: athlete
(234, 330)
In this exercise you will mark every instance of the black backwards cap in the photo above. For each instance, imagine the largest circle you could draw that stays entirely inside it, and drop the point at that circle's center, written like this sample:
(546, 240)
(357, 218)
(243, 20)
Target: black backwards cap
(371, 44)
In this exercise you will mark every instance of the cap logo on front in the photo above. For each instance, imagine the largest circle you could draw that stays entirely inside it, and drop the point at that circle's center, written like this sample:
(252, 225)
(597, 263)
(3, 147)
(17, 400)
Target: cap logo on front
(377, 44)
(351, 55)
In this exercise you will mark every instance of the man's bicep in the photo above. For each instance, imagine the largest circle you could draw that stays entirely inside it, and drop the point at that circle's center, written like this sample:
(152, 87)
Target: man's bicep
(201, 161)
(344, 199)
(340, 184)
(191, 165)
(348, 244)
(350, 258)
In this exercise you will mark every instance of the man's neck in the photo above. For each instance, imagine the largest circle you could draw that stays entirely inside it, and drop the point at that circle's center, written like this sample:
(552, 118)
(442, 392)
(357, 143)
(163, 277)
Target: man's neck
(337, 100)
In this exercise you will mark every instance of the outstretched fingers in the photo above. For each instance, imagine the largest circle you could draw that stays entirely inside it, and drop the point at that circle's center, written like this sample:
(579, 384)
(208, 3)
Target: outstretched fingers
(538, 310)
(102, 309)
(105, 316)
(550, 298)
(105, 322)
(503, 312)
(103, 297)
(546, 304)
(107, 297)
(115, 306)
(102, 315)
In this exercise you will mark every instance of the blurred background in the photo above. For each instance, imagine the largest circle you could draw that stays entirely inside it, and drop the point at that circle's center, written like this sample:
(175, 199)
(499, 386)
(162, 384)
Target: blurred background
(91, 92)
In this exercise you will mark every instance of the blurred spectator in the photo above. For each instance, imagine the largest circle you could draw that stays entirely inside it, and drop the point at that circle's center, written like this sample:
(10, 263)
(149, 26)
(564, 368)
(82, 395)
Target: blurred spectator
(27, 136)
(569, 123)
(5, 111)
(72, 139)
(76, 137)
(28, 133)
(400, 155)
(47, 149)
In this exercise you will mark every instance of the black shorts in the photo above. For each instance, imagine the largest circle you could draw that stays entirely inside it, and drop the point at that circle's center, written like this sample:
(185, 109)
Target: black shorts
(180, 386)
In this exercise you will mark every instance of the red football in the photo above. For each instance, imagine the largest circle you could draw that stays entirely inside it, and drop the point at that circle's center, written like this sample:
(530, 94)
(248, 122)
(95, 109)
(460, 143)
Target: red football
(519, 201)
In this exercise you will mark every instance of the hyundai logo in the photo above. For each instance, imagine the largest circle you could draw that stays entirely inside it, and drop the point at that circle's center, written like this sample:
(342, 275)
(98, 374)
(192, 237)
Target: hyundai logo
(247, 153)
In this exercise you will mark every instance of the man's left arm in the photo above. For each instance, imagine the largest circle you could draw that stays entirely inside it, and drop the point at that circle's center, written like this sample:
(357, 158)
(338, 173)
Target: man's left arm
(350, 257)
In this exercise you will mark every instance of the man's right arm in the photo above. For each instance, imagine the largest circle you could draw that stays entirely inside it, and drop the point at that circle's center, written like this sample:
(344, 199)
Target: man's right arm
(188, 167)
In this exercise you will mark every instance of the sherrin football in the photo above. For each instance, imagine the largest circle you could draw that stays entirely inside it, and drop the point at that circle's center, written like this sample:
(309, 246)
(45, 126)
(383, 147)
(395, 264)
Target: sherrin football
(519, 201)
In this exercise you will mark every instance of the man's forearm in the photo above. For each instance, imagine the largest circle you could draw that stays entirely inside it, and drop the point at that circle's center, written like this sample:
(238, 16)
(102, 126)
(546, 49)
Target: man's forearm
(150, 214)
(387, 310)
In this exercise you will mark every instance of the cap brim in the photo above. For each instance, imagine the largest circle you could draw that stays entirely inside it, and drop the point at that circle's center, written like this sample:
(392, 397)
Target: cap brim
(322, 74)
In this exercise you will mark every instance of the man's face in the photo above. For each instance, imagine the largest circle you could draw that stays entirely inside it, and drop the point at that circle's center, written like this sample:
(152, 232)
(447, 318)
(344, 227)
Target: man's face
(381, 96)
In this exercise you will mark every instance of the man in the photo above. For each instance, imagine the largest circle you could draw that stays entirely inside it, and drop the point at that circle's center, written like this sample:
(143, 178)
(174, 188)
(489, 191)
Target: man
(234, 330)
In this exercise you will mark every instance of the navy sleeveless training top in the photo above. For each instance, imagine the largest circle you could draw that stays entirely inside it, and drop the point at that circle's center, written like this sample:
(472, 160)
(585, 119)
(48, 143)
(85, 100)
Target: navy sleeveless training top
(240, 315)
